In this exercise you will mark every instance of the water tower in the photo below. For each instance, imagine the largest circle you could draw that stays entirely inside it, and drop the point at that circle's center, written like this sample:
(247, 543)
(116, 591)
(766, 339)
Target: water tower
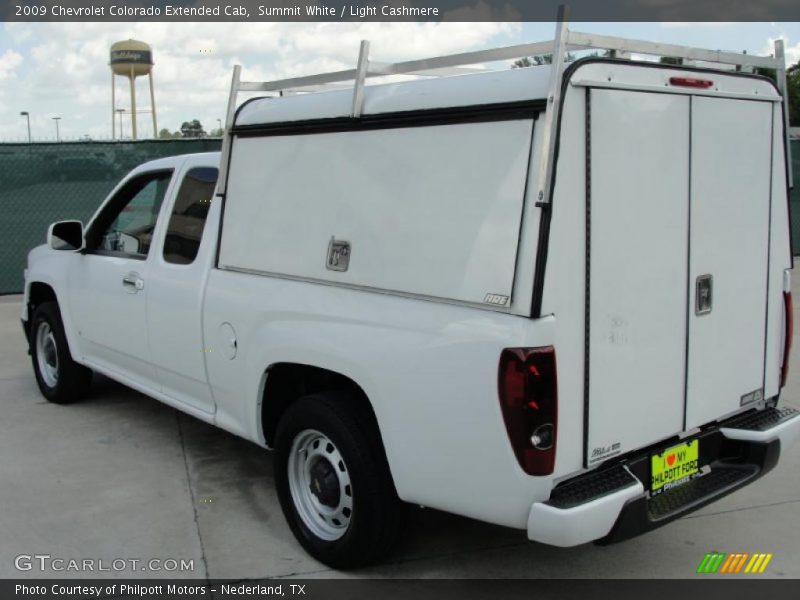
(131, 59)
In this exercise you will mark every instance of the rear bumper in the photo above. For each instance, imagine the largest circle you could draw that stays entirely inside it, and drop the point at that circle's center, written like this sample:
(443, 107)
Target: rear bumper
(613, 503)
(585, 522)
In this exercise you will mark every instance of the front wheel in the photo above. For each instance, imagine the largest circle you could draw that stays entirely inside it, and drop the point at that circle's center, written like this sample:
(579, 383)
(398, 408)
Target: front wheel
(60, 379)
(333, 481)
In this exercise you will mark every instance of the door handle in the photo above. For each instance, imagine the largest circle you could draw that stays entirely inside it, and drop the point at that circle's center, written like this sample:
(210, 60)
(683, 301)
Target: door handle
(133, 282)
(704, 294)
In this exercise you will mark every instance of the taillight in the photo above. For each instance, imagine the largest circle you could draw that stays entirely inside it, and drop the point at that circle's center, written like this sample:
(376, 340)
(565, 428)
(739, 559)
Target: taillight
(788, 333)
(691, 82)
(529, 401)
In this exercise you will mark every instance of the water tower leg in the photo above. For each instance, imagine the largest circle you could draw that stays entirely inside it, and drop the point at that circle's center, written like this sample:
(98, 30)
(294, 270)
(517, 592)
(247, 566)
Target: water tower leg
(153, 105)
(113, 109)
(133, 103)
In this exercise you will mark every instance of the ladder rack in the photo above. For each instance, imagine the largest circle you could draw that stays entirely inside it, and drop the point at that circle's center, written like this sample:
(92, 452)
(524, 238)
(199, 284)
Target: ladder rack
(458, 64)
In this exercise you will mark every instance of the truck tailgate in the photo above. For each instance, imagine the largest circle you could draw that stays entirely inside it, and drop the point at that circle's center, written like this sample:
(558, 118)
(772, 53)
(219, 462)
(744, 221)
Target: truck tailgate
(678, 207)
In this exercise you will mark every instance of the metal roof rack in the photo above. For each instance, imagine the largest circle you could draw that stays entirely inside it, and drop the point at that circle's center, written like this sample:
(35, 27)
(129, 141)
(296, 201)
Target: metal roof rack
(455, 64)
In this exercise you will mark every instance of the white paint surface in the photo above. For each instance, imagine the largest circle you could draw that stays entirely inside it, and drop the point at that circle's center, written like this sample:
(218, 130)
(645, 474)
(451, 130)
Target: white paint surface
(427, 210)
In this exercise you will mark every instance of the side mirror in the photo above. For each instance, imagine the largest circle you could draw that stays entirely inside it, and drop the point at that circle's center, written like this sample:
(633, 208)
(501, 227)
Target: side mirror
(65, 235)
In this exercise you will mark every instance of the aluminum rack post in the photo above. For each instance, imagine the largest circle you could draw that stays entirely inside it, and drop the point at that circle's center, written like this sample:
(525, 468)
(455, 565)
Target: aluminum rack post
(361, 74)
(545, 178)
(227, 139)
(780, 77)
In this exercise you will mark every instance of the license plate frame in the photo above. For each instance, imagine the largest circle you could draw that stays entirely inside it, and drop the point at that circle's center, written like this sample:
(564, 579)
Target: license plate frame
(674, 466)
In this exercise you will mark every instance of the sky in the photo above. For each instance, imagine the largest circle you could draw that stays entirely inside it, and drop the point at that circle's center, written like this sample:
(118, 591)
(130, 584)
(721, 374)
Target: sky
(61, 69)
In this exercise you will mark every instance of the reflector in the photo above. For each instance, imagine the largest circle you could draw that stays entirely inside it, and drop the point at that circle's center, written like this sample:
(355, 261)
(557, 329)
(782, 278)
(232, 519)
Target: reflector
(692, 82)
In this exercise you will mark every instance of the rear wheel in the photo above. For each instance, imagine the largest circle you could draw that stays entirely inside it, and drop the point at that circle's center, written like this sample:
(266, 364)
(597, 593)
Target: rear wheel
(333, 481)
(60, 379)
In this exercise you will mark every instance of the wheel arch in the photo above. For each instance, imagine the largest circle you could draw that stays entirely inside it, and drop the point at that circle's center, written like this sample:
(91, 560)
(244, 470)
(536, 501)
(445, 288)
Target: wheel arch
(42, 290)
(285, 382)
(38, 293)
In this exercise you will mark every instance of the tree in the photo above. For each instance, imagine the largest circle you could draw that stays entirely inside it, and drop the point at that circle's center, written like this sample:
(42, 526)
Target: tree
(537, 61)
(216, 132)
(793, 92)
(532, 61)
(192, 129)
(792, 89)
(165, 134)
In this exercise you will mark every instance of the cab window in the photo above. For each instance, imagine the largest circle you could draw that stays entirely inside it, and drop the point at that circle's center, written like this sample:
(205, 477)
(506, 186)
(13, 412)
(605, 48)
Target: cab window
(126, 225)
(188, 218)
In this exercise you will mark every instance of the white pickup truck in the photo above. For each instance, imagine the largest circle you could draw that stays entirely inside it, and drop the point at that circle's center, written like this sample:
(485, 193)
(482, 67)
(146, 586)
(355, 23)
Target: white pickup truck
(552, 298)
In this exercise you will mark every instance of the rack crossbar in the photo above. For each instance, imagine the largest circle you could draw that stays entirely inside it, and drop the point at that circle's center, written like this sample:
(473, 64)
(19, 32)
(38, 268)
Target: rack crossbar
(589, 41)
(464, 62)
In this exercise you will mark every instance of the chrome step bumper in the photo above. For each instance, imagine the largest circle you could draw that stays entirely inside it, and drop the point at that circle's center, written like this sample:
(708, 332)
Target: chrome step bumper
(613, 504)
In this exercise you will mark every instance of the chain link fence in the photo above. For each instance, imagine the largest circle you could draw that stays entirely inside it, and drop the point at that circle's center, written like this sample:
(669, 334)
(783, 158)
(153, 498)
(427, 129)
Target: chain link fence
(43, 183)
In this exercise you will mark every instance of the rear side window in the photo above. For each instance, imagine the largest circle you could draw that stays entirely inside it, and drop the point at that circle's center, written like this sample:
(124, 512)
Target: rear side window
(185, 229)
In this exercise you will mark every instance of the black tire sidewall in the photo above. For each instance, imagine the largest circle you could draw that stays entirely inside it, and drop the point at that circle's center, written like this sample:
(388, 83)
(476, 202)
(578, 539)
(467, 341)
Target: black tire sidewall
(61, 392)
(369, 504)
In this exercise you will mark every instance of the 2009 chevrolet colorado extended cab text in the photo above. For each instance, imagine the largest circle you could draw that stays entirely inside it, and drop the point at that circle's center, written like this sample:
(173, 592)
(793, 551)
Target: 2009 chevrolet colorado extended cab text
(384, 288)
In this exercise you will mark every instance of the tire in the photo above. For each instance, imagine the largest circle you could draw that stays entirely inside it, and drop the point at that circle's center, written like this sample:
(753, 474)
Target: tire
(61, 379)
(345, 432)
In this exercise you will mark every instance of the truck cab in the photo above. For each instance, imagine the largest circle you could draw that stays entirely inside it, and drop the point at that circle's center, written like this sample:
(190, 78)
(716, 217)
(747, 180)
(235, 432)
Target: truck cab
(129, 297)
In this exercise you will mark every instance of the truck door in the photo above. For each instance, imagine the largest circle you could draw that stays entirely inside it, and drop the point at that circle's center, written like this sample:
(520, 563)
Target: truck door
(174, 303)
(637, 255)
(677, 233)
(108, 285)
(729, 241)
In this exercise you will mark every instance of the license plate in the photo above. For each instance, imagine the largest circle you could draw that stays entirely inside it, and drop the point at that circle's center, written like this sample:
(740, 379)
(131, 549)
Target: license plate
(674, 465)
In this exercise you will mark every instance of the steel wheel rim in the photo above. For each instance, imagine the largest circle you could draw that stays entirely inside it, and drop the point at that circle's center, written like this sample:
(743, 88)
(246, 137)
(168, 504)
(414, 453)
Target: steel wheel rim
(322, 493)
(47, 354)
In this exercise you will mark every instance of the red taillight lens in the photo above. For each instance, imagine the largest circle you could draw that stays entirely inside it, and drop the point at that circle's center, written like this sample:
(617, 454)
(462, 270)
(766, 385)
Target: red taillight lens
(691, 82)
(529, 401)
(789, 332)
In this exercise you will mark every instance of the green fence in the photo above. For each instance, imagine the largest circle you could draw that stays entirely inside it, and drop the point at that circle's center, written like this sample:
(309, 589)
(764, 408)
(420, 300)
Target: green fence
(42, 183)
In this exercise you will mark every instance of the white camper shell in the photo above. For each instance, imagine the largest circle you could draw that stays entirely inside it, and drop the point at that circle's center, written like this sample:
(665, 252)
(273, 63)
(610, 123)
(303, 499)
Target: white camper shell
(553, 298)
(667, 182)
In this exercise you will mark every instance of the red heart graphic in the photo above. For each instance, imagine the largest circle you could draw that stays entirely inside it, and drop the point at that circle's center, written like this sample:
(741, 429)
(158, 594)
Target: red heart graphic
(670, 459)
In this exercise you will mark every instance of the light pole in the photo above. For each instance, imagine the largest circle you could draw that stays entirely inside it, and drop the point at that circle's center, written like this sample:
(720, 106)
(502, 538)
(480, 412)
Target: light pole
(58, 133)
(119, 112)
(27, 115)
(220, 127)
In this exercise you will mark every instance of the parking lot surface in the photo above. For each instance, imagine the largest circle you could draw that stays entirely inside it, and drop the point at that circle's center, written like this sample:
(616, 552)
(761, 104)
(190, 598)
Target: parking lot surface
(120, 475)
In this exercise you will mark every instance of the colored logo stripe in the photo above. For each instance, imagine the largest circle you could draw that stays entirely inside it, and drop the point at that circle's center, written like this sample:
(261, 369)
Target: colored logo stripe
(734, 563)
(711, 562)
(758, 563)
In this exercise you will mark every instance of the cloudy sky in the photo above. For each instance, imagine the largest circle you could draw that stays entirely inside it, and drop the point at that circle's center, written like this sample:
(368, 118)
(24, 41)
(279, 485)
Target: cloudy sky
(61, 69)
